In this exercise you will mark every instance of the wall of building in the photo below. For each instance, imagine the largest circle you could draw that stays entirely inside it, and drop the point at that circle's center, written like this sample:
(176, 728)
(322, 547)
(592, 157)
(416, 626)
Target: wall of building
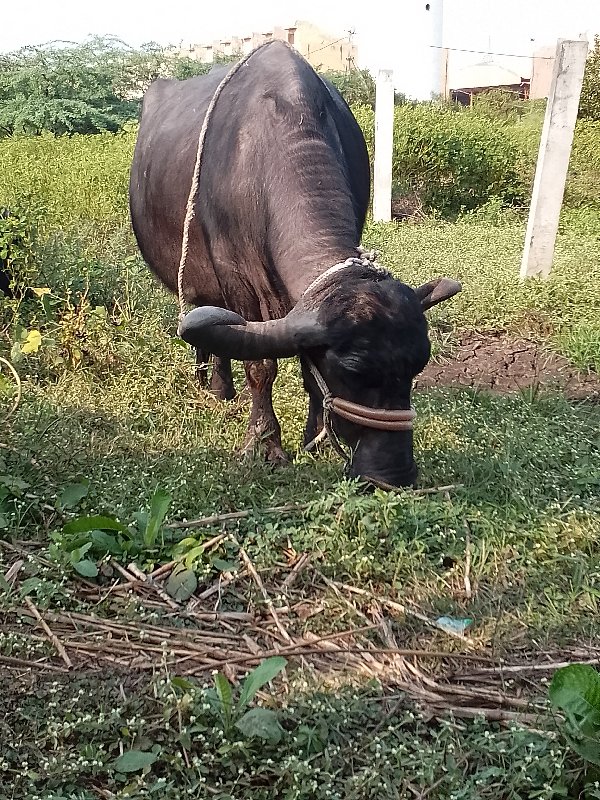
(541, 75)
(323, 50)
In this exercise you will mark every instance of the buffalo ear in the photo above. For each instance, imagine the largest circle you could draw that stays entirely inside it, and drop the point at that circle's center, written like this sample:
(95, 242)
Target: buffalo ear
(436, 291)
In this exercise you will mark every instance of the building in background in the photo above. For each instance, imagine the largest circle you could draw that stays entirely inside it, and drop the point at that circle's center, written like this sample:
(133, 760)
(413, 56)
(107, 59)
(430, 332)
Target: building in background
(541, 75)
(471, 81)
(323, 50)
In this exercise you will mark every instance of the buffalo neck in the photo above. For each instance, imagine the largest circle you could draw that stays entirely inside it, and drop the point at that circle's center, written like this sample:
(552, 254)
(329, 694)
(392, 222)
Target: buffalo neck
(315, 225)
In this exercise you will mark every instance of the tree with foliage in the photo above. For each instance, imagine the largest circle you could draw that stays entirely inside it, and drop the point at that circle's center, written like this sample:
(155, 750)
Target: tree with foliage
(97, 86)
(357, 87)
(589, 104)
(82, 88)
(64, 89)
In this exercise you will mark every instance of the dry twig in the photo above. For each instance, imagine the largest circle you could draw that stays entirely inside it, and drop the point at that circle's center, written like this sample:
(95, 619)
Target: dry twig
(11, 661)
(149, 581)
(11, 574)
(301, 564)
(402, 609)
(258, 580)
(388, 487)
(468, 589)
(57, 645)
(217, 519)
(549, 666)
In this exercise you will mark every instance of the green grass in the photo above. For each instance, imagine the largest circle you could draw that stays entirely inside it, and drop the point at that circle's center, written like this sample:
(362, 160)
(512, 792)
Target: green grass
(486, 257)
(110, 398)
(335, 748)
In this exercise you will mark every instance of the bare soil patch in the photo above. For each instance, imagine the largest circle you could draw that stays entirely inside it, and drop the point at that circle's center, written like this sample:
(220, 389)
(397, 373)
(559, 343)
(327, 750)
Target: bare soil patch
(500, 363)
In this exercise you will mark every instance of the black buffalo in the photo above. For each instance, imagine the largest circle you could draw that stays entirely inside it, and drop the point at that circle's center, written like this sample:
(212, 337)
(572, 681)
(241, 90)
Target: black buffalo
(6, 277)
(283, 195)
(11, 243)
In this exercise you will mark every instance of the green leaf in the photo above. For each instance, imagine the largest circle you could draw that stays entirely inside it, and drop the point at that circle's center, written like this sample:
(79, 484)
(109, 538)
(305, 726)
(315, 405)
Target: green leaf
(182, 584)
(186, 740)
(158, 511)
(183, 684)
(225, 694)
(77, 553)
(193, 555)
(14, 484)
(224, 566)
(86, 568)
(575, 690)
(264, 673)
(105, 543)
(189, 541)
(29, 585)
(72, 494)
(86, 524)
(261, 723)
(134, 761)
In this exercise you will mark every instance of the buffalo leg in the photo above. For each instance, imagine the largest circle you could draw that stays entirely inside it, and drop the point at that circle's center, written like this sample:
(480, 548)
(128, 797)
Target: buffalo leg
(314, 423)
(264, 432)
(202, 360)
(221, 380)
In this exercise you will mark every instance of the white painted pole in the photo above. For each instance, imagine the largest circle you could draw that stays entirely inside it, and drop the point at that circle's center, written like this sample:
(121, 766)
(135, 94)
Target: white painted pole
(384, 146)
(553, 158)
(435, 11)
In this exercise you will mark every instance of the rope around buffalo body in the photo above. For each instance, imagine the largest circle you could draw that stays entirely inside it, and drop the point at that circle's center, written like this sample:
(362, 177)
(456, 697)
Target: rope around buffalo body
(189, 212)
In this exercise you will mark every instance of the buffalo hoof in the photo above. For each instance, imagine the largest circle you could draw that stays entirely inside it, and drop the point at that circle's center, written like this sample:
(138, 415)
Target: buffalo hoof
(223, 392)
(264, 450)
(277, 456)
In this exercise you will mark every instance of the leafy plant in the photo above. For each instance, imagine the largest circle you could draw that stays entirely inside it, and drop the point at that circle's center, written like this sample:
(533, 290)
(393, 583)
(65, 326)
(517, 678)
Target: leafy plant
(451, 158)
(589, 103)
(83, 88)
(86, 539)
(575, 690)
(255, 722)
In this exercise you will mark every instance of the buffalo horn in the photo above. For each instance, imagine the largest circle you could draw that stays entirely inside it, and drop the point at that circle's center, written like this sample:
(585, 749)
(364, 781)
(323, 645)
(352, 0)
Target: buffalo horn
(228, 335)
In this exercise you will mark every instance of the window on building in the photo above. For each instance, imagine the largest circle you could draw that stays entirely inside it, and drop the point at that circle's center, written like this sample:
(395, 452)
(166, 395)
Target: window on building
(290, 33)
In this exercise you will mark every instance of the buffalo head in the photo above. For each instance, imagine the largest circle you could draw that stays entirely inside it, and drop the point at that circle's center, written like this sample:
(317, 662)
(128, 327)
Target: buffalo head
(367, 336)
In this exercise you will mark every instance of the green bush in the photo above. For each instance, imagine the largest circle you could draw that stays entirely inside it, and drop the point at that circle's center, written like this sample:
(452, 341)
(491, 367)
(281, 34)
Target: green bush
(67, 180)
(583, 186)
(589, 103)
(453, 159)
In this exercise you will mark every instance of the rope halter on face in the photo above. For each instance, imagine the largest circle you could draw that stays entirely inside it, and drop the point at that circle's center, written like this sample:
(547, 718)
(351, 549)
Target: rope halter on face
(381, 419)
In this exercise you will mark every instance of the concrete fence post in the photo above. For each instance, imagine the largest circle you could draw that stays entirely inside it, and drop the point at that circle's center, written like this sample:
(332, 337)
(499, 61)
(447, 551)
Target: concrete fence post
(553, 158)
(384, 145)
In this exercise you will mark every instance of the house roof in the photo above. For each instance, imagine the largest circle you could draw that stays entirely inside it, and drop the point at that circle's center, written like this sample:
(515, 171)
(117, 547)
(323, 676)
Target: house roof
(484, 74)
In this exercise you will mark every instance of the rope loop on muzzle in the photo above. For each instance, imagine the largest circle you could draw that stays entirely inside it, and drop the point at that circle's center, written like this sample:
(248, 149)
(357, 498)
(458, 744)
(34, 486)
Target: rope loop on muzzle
(381, 419)
(328, 399)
